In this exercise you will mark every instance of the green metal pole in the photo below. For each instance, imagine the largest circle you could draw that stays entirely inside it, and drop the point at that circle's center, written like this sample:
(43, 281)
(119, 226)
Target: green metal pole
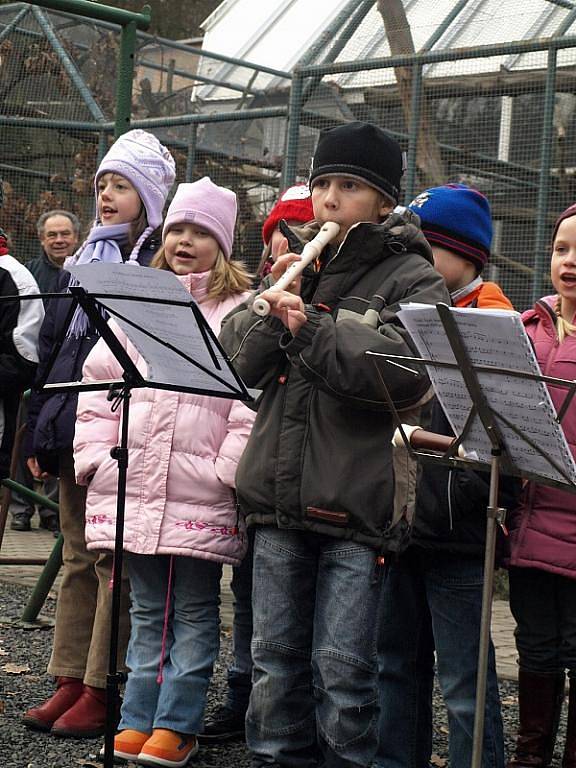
(435, 57)
(441, 28)
(293, 129)
(415, 110)
(99, 11)
(338, 46)
(125, 79)
(191, 156)
(44, 584)
(14, 23)
(69, 66)
(416, 101)
(540, 250)
(36, 498)
(53, 563)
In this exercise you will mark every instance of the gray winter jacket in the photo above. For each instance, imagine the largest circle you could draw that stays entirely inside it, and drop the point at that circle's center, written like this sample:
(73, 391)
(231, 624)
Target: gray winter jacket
(319, 457)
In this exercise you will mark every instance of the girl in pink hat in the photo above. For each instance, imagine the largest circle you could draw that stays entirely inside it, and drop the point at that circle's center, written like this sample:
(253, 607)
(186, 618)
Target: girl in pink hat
(181, 518)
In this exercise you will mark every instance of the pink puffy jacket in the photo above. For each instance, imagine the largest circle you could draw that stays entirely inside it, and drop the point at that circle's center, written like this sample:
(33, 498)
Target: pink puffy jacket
(543, 527)
(183, 453)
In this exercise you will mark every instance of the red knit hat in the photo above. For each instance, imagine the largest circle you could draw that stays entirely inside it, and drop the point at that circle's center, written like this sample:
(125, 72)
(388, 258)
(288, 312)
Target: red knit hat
(295, 204)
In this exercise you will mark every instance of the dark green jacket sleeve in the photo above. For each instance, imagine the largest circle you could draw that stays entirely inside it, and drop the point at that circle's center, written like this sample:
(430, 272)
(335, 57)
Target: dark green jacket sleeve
(332, 352)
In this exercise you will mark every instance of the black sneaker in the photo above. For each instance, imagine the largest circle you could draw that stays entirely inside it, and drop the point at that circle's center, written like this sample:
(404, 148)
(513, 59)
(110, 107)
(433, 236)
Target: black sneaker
(50, 523)
(20, 522)
(223, 725)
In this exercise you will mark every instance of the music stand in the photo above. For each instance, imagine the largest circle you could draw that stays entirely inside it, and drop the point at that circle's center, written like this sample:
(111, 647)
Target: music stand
(218, 369)
(500, 461)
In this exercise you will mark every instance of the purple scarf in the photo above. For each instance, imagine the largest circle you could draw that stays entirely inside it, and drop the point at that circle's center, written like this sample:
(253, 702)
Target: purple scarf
(103, 244)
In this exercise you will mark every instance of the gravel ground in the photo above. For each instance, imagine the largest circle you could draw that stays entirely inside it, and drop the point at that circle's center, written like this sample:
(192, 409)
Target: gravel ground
(23, 683)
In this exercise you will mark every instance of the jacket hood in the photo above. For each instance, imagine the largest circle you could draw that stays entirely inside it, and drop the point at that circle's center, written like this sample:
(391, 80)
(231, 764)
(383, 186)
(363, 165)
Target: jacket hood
(543, 310)
(400, 231)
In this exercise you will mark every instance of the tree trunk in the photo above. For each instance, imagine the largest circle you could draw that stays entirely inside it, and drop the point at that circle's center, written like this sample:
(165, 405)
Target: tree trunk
(428, 156)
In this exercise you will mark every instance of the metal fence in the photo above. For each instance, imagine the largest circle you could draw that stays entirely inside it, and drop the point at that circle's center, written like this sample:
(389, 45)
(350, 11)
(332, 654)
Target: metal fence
(497, 116)
(57, 119)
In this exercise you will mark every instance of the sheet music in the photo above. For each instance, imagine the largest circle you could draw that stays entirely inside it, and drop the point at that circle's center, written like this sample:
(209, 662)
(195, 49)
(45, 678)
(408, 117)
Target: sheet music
(494, 338)
(175, 325)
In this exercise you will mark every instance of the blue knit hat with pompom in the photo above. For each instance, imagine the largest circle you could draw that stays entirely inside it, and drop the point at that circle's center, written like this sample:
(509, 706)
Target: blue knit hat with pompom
(458, 218)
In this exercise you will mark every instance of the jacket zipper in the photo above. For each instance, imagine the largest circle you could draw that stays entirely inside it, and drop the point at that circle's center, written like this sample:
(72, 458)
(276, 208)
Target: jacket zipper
(451, 519)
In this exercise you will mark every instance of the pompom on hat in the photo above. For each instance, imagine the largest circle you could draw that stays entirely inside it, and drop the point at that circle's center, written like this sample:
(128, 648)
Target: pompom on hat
(207, 206)
(363, 151)
(294, 204)
(458, 218)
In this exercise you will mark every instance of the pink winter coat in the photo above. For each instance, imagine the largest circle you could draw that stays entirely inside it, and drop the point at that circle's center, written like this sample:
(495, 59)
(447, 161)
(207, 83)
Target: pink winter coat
(543, 528)
(183, 451)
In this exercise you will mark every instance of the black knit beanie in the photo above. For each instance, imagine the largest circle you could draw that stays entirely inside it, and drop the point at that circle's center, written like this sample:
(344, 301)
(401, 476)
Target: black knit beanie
(362, 150)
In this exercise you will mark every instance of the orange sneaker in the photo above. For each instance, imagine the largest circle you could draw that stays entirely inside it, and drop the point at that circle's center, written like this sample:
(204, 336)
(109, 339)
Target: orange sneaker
(127, 744)
(168, 748)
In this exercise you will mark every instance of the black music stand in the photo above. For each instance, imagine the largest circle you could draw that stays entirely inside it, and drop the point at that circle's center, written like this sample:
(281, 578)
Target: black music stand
(96, 305)
(501, 462)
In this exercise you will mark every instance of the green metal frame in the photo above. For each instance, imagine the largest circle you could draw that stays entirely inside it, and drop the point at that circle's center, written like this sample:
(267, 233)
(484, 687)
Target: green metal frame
(52, 565)
(130, 22)
(306, 71)
(306, 77)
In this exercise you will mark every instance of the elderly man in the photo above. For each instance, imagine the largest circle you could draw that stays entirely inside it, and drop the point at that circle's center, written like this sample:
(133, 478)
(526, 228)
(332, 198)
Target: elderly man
(58, 232)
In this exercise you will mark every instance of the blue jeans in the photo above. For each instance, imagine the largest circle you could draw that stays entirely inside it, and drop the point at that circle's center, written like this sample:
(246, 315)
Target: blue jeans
(240, 671)
(191, 648)
(314, 698)
(432, 600)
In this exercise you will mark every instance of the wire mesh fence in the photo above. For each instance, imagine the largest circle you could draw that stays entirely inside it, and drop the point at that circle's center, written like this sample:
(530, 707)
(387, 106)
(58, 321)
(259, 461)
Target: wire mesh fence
(58, 89)
(499, 117)
(488, 100)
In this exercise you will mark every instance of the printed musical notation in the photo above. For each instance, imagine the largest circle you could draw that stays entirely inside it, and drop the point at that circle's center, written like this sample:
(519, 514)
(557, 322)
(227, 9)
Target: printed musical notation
(494, 338)
(160, 332)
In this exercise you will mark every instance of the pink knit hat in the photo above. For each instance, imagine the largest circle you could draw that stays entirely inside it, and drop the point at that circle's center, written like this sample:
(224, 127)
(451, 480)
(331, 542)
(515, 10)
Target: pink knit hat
(209, 207)
(294, 204)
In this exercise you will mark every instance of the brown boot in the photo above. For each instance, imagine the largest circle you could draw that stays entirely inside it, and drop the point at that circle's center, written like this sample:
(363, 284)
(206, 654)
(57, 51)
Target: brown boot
(569, 759)
(540, 700)
(86, 719)
(68, 691)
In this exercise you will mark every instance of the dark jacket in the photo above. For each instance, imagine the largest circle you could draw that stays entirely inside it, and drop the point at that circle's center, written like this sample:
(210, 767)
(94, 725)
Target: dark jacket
(46, 274)
(52, 417)
(19, 327)
(450, 513)
(319, 457)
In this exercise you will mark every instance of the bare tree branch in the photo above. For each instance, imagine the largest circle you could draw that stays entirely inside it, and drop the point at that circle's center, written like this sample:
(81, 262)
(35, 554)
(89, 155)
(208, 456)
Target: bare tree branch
(428, 156)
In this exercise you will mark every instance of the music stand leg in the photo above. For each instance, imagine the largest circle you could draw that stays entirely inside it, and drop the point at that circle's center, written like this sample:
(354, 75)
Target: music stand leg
(114, 678)
(493, 514)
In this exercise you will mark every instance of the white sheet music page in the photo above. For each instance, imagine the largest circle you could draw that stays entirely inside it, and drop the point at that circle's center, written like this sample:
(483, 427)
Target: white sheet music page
(173, 325)
(496, 338)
